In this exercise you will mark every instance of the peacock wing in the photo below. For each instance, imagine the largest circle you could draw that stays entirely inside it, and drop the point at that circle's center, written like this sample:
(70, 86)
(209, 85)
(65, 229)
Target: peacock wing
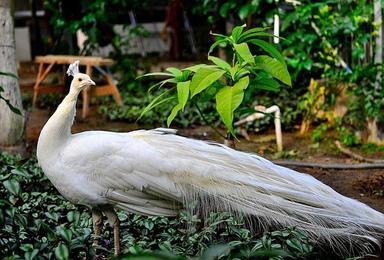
(167, 168)
(125, 171)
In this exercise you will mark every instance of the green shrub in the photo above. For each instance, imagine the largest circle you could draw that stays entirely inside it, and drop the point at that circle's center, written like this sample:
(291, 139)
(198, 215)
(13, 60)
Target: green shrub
(35, 221)
(38, 223)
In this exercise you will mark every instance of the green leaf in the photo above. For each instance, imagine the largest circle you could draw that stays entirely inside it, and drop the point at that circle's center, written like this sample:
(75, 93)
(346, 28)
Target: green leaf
(216, 252)
(244, 11)
(73, 216)
(243, 51)
(295, 244)
(239, 73)
(220, 63)
(203, 78)
(243, 83)
(149, 225)
(31, 254)
(251, 33)
(183, 93)
(226, 8)
(227, 100)
(162, 83)
(11, 107)
(195, 68)
(66, 234)
(61, 252)
(269, 48)
(289, 19)
(156, 74)
(173, 114)
(175, 71)
(220, 36)
(266, 83)
(9, 75)
(52, 215)
(234, 70)
(155, 102)
(12, 186)
(21, 220)
(216, 43)
(264, 34)
(236, 32)
(275, 68)
(185, 75)
(26, 247)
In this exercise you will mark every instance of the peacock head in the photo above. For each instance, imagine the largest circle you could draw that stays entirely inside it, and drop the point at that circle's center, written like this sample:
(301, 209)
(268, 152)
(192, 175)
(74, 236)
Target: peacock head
(80, 80)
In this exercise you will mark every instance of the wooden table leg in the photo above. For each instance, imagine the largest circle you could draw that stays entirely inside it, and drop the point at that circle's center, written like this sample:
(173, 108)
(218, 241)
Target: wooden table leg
(115, 91)
(86, 94)
(41, 75)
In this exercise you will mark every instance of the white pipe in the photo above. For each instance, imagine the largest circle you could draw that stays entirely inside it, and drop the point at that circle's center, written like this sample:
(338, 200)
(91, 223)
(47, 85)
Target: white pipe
(276, 31)
(277, 120)
(279, 137)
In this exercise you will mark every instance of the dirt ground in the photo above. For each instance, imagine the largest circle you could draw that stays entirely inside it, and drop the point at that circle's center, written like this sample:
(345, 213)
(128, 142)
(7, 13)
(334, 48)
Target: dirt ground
(296, 147)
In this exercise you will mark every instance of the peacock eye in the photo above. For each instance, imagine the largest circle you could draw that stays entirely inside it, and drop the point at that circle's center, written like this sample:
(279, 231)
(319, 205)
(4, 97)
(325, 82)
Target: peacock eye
(80, 79)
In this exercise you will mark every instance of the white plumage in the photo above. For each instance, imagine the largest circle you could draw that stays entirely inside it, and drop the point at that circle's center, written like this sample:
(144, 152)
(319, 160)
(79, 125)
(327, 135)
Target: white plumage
(156, 172)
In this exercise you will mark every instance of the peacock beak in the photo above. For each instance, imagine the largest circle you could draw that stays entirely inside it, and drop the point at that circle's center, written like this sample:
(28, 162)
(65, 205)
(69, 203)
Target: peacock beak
(92, 83)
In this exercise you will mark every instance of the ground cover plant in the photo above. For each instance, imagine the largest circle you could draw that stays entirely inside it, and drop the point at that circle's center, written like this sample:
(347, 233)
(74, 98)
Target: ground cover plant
(38, 223)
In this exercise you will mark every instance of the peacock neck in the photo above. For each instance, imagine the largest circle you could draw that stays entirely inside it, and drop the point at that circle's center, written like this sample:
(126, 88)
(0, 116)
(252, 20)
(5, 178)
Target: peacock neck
(57, 130)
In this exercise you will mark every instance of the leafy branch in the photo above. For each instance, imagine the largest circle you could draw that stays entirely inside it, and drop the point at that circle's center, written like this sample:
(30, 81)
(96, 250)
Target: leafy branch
(225, 82)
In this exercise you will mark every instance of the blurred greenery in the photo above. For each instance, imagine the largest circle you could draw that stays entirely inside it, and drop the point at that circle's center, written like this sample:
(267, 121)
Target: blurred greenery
(332, 42)
(324, 40)
(133, 107)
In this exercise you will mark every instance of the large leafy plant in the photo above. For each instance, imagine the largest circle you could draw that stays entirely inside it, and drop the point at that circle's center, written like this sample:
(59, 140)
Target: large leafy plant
(224, 81)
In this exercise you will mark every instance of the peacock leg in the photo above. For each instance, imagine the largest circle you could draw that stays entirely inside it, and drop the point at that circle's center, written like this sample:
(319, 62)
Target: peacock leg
(114, 222)
(97, 218)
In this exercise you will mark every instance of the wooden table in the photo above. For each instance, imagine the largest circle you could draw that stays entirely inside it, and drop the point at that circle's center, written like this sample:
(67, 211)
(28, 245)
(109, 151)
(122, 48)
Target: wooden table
(46, 64)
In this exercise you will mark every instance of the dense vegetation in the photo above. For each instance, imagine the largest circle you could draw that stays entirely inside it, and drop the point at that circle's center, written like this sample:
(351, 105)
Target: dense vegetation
(325, 41)
(38, 223)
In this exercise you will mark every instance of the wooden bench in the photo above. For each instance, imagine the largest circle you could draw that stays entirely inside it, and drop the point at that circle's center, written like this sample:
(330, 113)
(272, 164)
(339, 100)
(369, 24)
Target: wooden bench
(46, 63)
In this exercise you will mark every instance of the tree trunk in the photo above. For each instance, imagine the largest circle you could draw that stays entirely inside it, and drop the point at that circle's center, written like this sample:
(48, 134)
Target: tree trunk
(374, 135)
(304, 127)
(11, 124)
(373, 132)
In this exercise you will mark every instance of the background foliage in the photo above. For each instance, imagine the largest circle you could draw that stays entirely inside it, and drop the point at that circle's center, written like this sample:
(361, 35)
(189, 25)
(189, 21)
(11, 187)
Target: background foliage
(334, 42)
(328, 40)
